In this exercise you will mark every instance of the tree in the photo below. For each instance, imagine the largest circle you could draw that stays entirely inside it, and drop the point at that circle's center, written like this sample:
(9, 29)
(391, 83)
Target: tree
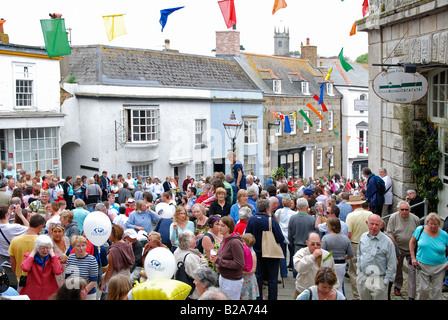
(364, 58)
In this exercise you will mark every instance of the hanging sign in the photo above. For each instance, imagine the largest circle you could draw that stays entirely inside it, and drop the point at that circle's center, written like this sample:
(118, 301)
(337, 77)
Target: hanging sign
(397, 86)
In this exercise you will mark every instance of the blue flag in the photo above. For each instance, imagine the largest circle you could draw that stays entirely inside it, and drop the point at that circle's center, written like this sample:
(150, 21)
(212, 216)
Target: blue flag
(164, 15)
(287, 125)
(321, 98)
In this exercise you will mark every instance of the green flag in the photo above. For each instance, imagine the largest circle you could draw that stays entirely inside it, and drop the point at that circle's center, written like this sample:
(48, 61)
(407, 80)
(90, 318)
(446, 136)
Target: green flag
(344, 63)
(55, 37)
(306, 117)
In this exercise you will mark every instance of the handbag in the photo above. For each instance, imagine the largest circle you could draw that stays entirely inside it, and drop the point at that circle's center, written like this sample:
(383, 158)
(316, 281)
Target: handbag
(269, 246)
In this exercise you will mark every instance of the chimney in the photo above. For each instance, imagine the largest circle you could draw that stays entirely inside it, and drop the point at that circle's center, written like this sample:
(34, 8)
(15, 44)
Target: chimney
(4, 38)
(309, 53)
(228, 43)
(167, 44)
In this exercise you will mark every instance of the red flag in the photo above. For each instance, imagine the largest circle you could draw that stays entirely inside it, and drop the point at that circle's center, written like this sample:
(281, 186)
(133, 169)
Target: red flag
(365, 7)
(228, 12)
(353, 30)
(324, 107)
(279, 4)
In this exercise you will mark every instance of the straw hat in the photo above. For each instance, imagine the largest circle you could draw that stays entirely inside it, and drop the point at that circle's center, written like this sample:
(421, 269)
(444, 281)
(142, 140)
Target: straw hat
(356, 199)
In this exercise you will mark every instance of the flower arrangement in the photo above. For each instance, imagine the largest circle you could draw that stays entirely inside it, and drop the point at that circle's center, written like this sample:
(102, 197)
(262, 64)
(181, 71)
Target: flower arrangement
(422, 144)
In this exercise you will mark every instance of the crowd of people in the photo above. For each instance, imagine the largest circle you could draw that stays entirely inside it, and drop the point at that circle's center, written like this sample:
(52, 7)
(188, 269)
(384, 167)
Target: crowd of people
(235, 236)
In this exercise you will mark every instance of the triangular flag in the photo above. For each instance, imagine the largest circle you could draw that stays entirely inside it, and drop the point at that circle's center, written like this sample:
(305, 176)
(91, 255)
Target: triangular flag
(336, 134)
(321, 98)
(294, 115)
(353, 30)
(55, 37)
(228, 12)
(306, 117)
(348, 138)
(299, 123)
(344, 63)
(279, 4)
(327, 77)
(164, 13)
(114, 25)
(287, 125)
(282, 117)
(365, 7)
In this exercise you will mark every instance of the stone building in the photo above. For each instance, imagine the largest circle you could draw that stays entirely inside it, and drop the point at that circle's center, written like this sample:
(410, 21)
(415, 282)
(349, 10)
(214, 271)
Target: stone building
(288, 85)
(407, 34)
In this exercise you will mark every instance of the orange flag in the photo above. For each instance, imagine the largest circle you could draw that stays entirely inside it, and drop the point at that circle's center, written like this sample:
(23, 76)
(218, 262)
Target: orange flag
(353, 30)
(315, 111)
(279, 4)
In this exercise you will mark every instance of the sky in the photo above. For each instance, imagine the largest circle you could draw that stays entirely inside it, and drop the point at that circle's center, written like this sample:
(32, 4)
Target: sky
(191, 30)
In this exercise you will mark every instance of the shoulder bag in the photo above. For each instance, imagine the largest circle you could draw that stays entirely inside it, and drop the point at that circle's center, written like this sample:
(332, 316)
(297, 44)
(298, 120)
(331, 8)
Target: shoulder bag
(269, 246)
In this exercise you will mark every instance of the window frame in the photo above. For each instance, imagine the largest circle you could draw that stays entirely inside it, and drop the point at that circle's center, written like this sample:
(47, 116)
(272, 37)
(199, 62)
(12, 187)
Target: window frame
(128, 123)
(28, 71)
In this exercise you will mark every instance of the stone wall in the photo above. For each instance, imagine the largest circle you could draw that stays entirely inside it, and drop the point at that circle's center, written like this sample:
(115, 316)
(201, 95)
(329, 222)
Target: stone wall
(400, 31)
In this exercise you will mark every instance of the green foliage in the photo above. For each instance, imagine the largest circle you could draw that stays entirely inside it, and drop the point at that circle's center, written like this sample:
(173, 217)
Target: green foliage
(421, 141)
(280, 172)
(364, 58)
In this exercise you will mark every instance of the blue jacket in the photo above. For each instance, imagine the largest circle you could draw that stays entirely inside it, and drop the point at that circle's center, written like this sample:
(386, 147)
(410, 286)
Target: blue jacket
(259, 223)
(372, 194)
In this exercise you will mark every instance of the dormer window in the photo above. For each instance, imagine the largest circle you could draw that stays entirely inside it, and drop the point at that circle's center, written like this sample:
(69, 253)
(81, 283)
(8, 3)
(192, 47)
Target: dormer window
(277, 86)
(305, 87)
(329, 88)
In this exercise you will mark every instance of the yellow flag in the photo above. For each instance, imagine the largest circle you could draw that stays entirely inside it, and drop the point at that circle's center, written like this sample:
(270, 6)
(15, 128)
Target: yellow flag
(328, 74)
(114, 25)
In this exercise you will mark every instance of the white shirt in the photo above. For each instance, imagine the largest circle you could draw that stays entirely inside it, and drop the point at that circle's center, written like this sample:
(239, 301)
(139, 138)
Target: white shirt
(388, 196)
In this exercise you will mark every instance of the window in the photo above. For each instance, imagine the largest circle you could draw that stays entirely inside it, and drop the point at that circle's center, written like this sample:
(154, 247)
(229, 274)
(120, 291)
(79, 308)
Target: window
(142, 124)
(277, 86)
(331, 150)
(306, 126)
(250, 131)
(438, 94)
(363, 136)
(24, 85)
(329, 89)
(199, 169)
(278, 125)
(319, 158)
(249, 164)
(292, 123)
(305, 87)
(318, 124)
(330, 120)
(37, 149)
(145, 170)
(200, 138)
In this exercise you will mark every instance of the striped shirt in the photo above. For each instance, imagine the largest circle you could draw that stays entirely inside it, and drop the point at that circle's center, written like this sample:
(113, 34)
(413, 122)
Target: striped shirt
(86, 268)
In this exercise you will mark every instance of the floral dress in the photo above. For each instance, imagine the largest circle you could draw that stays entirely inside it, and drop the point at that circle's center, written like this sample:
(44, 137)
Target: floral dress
(249, 291)
(216, 246)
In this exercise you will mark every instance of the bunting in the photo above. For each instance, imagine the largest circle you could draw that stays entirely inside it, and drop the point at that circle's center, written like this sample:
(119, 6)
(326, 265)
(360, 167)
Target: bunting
(279, 4)
(114, 25)
(228, 12)
(344, 63)
(353, 30)
(321, 97)
(55, 37)
(315, 111)
(327, 77)
(365, 7)
(287, 125)
(324, 107)
(306, 117)
(164, 13)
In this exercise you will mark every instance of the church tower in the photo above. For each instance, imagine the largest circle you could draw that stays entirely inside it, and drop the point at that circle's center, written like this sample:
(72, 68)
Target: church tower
(281, 42)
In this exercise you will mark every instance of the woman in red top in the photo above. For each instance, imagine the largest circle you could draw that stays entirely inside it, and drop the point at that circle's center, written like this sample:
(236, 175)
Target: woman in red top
(42, 265)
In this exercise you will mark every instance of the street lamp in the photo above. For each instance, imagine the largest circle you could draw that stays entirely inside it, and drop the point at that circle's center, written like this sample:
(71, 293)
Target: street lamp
(233, 128)
(329, 156)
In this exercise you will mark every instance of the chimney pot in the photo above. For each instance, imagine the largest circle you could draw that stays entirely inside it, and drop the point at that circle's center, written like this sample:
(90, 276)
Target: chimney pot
(307, 41)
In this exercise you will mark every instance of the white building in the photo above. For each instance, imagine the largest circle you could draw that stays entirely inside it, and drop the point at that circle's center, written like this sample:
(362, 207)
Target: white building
(30, 114)
(353, 85)
(151, 112)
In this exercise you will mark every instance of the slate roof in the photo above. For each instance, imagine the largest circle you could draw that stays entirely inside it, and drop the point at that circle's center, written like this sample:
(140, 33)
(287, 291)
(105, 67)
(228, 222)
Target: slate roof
(358, 77)
(262, 68)
(105, 65)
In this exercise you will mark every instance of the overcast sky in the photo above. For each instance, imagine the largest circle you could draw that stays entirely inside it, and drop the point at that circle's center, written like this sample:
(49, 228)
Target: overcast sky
(192, 29)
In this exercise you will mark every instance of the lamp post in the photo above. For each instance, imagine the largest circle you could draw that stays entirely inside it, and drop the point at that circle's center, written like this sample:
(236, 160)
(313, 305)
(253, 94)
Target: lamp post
(233, 128)
(329, 156)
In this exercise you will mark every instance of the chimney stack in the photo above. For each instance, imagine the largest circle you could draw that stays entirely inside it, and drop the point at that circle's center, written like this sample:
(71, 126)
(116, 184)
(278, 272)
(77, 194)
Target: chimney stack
(167, 44)
(3, 36)
(228, 43)
(309, 53)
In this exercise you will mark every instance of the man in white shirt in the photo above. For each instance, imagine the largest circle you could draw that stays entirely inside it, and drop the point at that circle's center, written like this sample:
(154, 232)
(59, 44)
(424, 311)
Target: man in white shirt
(250, 184)
(388, 196)
(157, 188)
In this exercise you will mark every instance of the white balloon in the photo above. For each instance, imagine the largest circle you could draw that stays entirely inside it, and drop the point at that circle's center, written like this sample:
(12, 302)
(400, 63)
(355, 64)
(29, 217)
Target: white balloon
(164, 210)
(97, 228)
(160, 264)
